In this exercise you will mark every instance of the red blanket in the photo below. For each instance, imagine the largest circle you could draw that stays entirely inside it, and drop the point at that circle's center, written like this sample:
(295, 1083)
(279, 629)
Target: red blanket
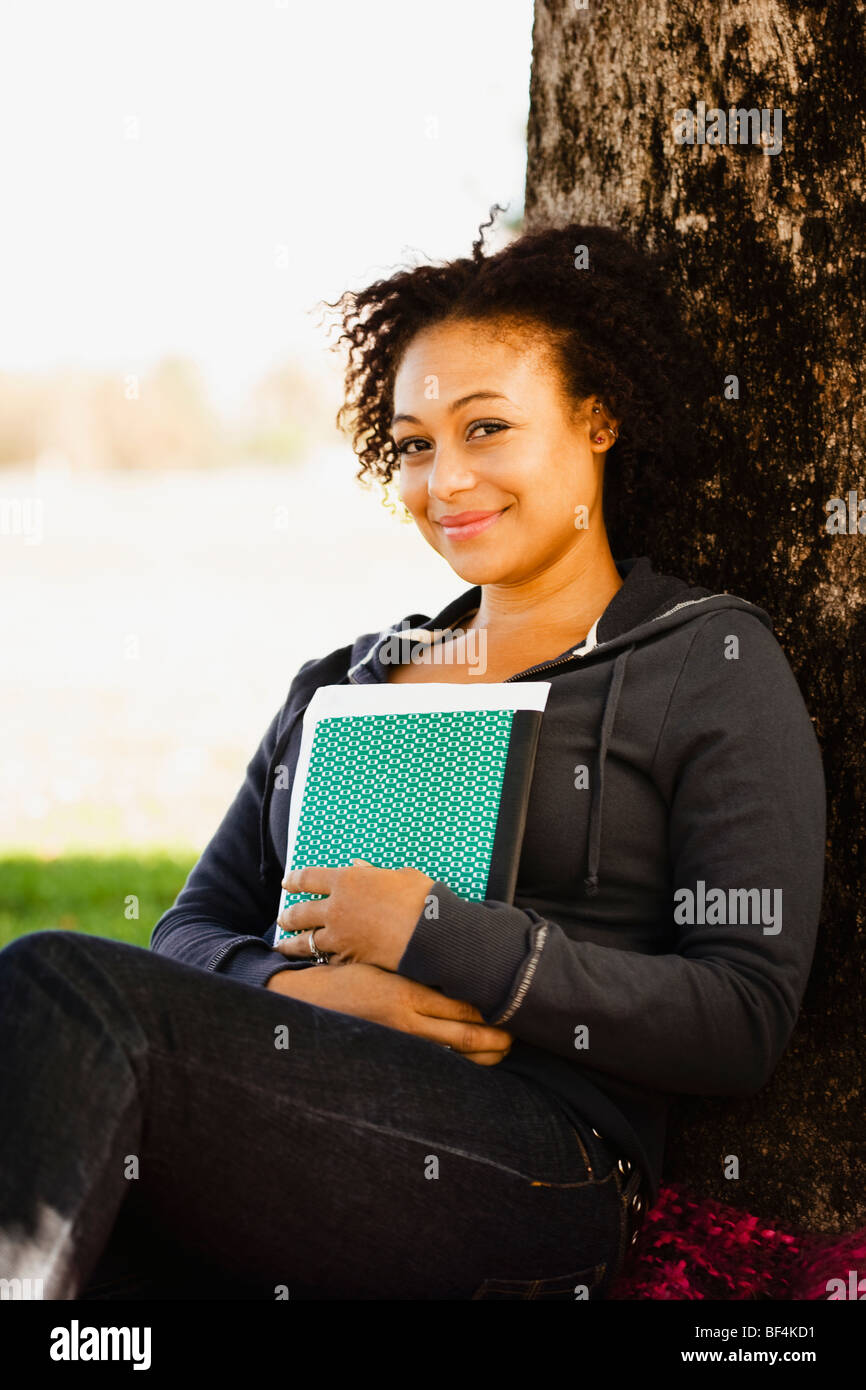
(694, 1248)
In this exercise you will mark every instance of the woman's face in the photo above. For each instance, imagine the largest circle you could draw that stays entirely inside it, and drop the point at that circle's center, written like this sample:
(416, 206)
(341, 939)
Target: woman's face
(481, 427)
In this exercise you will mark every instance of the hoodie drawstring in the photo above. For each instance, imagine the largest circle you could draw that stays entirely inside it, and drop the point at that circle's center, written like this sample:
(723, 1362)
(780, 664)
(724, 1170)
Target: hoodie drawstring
(590, 883)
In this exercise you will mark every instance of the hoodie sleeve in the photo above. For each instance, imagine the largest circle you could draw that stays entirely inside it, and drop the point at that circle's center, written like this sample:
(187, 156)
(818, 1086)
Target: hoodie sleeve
(224, 912)
(739, 765)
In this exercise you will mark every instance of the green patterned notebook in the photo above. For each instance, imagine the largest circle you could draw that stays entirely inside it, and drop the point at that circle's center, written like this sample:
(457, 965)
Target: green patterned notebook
(436, 776)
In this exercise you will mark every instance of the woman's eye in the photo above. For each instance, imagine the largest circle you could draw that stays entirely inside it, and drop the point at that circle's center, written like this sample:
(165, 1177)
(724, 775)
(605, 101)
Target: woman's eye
(403, 446)
(494, 425)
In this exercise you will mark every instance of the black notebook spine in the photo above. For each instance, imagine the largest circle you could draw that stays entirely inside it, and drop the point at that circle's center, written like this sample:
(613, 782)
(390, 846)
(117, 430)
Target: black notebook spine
(513, 804)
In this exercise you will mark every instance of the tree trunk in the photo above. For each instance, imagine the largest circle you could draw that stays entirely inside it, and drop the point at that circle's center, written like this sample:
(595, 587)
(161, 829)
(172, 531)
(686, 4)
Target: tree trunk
(769, 263)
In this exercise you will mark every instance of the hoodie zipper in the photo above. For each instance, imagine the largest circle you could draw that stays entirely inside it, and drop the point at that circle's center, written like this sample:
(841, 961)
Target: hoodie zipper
(531, 670)
(224, 950)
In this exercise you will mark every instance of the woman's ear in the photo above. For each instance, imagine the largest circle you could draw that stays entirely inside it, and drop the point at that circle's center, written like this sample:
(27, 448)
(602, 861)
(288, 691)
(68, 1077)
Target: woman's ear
(603, 428)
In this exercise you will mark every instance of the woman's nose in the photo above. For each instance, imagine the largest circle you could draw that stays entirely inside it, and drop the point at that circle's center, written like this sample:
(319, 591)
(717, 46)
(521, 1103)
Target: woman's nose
(450, 472)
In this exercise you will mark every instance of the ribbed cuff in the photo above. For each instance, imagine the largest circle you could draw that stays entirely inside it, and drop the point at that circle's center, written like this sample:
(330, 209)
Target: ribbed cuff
(254, 962)
(471, 950)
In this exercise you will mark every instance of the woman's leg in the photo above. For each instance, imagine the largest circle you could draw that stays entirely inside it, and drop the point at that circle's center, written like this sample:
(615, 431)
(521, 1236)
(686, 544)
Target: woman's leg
(303, 1152)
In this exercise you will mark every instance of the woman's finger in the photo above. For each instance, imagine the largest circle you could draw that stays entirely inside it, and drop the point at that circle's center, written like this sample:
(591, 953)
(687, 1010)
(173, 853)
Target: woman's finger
(484, 1059)
(303, 915)
(299, 947)
(314, 878)
(464, 1037)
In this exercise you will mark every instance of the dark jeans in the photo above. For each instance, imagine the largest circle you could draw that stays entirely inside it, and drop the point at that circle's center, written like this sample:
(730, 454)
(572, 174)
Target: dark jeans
(158, 1138)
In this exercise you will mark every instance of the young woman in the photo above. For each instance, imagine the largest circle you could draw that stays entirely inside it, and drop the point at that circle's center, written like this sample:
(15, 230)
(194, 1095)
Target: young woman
(469, 1104)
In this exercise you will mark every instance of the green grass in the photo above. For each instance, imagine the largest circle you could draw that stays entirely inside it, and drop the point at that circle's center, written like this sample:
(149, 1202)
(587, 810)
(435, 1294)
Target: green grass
(90, 893)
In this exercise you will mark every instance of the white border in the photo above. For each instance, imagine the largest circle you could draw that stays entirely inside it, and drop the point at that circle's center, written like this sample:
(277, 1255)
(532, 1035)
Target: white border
(411, 699)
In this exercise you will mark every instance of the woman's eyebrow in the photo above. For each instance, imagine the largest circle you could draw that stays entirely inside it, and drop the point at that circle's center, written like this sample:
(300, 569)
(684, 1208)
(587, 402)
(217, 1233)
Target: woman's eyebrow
(455, 405)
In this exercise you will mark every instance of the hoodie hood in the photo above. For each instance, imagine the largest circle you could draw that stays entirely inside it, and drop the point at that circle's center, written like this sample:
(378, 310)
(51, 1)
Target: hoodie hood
(647, 605)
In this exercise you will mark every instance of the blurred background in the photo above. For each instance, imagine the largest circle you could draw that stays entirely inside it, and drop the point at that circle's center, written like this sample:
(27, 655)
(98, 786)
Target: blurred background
(184, 186)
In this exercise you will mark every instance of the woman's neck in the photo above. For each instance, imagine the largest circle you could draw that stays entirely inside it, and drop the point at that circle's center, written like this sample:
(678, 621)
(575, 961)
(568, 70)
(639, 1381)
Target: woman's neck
(555, 602)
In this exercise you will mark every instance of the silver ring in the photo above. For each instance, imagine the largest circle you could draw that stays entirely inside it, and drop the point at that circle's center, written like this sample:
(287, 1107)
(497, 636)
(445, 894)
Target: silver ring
(315, 953)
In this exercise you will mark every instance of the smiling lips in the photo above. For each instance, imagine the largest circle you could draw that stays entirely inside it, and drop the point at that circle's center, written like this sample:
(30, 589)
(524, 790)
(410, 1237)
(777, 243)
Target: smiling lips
(464, 525)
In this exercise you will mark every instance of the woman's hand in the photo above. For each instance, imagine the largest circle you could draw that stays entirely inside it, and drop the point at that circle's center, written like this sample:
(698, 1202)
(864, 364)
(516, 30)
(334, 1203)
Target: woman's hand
(367, 917)
(383, 997)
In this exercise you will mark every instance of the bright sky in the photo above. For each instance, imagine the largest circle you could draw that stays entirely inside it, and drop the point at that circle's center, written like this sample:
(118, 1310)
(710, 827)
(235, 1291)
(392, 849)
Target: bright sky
(191, 176)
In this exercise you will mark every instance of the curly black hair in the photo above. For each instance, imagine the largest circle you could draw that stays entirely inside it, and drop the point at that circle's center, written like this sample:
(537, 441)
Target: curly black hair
(613, 326)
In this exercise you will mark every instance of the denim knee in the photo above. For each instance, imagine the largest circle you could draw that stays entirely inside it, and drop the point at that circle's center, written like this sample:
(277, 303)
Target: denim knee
(41, 951)
(46, 941)
(71, 968)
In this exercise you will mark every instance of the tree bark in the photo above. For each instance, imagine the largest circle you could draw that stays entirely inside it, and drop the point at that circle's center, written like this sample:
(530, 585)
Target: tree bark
(769, 265)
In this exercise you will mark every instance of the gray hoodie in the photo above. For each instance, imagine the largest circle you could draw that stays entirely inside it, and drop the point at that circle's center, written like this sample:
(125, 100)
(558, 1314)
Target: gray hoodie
(670, 879)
